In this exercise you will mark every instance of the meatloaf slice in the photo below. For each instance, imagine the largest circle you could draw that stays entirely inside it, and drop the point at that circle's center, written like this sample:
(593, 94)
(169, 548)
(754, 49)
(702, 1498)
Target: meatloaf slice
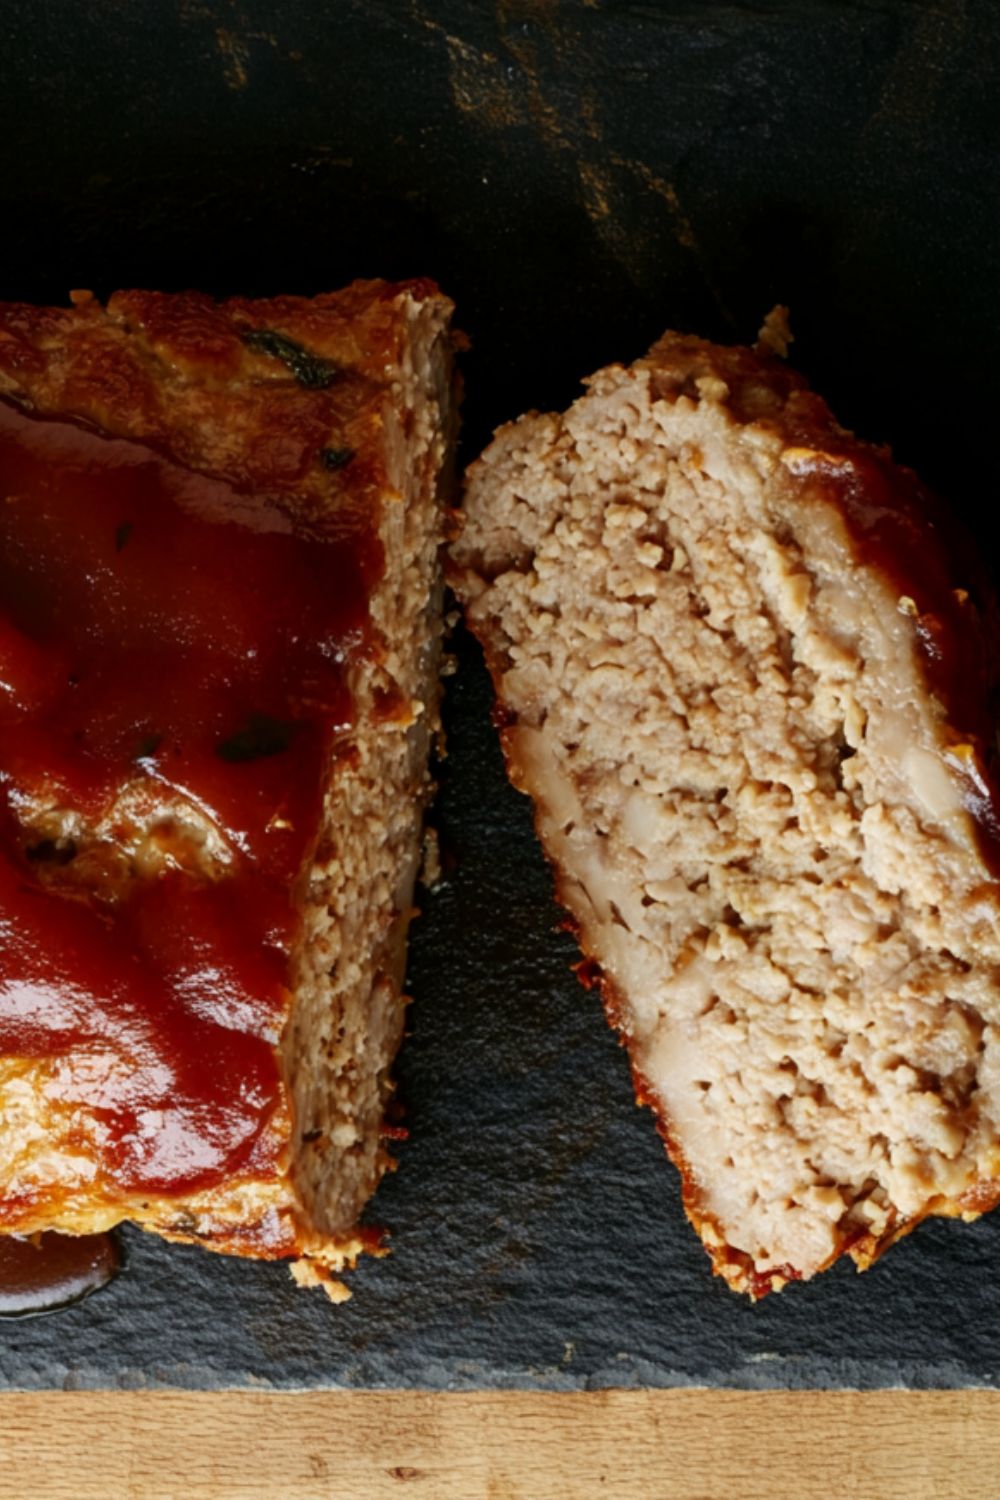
(219, 629)
(744, 671)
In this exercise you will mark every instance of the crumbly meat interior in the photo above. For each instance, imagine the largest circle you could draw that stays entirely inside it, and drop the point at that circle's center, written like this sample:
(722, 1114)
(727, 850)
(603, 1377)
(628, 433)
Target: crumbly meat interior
(745, 788)
(348, 1011)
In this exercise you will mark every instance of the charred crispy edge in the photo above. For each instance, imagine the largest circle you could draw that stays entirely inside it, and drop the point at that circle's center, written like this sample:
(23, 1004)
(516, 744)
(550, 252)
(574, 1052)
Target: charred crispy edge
(966, 684)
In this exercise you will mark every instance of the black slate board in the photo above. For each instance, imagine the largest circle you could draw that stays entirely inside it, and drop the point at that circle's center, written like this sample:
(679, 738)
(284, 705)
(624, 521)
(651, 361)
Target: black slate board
(578, 176)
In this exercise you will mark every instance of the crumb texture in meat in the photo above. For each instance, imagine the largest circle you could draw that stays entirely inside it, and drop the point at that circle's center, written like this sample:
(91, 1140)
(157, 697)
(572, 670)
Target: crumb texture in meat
(216, 723)
(745, 673)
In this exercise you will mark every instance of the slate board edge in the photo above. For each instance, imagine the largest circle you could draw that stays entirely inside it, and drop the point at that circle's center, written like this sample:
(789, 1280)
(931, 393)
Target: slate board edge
(458, 1375)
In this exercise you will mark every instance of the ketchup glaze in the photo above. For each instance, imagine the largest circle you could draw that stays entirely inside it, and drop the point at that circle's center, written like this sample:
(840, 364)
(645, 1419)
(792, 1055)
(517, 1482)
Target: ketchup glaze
(165, 635)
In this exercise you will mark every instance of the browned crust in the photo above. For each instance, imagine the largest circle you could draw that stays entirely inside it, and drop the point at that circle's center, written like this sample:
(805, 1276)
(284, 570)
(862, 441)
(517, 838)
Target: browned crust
(273, 1237)
(272, 1234)
(181, 371)
(897, 528)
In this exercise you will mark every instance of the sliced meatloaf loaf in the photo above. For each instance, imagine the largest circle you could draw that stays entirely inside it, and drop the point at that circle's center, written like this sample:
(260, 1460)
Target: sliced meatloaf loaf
(219, 629)
(744, 670)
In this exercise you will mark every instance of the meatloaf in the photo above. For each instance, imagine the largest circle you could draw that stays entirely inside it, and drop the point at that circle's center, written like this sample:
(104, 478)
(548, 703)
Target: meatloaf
(744, 666)
(219, 629)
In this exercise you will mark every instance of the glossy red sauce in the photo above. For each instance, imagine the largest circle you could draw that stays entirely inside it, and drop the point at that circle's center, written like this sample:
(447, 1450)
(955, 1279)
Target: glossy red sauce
(159, 629)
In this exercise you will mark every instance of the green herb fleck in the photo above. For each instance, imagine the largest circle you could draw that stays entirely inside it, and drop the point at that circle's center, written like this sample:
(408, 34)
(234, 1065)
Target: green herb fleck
(335, 458)
(122, 534)
(309, 369)
(260, 736)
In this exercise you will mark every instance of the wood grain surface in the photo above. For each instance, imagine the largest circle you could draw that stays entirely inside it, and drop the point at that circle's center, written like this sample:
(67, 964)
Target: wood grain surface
(613, 1445)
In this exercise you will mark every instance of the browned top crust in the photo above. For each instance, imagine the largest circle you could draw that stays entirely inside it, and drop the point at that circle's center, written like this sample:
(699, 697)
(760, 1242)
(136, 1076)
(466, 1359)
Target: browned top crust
(271, 395)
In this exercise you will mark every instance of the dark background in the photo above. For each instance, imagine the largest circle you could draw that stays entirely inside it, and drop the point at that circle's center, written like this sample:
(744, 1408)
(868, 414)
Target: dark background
(578, 176)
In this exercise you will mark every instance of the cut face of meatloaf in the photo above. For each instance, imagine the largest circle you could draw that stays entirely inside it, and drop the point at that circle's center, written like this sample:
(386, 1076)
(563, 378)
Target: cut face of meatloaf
(219, 629)
(745, 672)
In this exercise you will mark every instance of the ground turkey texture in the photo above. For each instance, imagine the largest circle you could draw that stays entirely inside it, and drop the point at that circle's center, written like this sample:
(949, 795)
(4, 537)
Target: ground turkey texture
(743, 672)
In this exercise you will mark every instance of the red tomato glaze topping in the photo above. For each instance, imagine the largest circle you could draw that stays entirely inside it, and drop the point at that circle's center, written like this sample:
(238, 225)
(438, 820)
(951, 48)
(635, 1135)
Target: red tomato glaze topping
(161, 632)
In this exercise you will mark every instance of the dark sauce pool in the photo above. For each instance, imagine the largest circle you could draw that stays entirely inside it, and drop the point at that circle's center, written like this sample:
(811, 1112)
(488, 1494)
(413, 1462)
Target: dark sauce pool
(50, 1271)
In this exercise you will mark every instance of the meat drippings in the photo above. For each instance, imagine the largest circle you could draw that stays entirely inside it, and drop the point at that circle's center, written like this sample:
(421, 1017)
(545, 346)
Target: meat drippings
(44, 1272)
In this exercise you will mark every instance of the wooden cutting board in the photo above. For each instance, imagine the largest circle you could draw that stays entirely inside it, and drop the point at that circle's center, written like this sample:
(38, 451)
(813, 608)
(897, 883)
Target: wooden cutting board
(616, 1445)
